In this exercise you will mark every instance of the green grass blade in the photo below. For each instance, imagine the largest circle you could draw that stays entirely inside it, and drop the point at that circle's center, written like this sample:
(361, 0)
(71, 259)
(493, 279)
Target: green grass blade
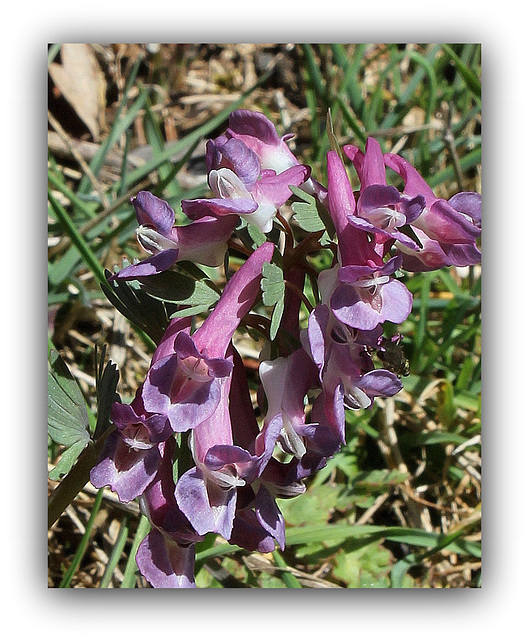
(288, 578)
(129, 576)
(78, 241)
(471, 80)
(116, 554)
(66, 581)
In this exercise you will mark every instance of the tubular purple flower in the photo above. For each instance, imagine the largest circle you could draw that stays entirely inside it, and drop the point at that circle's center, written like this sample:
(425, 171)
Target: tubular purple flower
(440, 220)
(381, 209)
(434, 255)
(203, 241)
(207, 493)
(256, 202)
(353, 243)
(166, 556)
(286, 381)
(185, 384)
(346, 370)
(131, 455)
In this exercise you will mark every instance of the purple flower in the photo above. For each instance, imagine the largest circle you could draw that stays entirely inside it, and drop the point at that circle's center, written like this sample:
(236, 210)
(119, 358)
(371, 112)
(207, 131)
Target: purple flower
(203, 241)
(166, 556)
(131, 454)
(127, 471)
(256, 202)
(257, 134)
(439, 220)
(360, 290)
(346, 370)
(207, 493)
(434, 255)
(185, 384)
(353, 243)
(286, 381)
(263, 148)
(366, 296)
(381, 209)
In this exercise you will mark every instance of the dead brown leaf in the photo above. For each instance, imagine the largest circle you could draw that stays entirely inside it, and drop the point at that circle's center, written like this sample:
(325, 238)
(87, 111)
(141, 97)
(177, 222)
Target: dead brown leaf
(80, 80)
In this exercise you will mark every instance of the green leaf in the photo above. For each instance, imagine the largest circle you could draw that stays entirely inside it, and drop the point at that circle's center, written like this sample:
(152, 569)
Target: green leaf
(106, 385)
(148, 314)
(364, 568)
(177, 288)
(68, 423)
(306, 213)
(190, 311)
(273, 287)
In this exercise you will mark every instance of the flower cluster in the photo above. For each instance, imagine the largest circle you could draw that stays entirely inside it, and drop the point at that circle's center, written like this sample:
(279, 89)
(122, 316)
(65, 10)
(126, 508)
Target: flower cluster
(242, 459)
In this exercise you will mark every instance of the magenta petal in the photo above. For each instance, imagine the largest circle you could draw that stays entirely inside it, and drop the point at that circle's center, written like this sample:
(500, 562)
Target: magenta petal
(126, 471)
(195, 209)
(373, 168)
(192, 498)
(205, 240)
(353, 243)
(249, 533)
(275, 188)
(269, 516)
(414, 183)
(254, 124)
(148, 267)
(154, 212)
(238, 297)
(164, 563)
(444, 224)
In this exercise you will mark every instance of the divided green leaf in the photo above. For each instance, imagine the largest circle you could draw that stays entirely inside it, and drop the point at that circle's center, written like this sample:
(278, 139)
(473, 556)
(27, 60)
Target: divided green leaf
(306, 213)
(106, 385)
(67, 414)
(150, 302)
(273, 287)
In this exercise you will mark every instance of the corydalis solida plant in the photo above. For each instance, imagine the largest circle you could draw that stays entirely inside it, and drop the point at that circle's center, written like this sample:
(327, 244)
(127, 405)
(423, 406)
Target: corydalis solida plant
(196, 391)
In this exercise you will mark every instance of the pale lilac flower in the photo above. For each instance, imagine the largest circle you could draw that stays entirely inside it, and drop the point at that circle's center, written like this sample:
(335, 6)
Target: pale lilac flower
(286, 382)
